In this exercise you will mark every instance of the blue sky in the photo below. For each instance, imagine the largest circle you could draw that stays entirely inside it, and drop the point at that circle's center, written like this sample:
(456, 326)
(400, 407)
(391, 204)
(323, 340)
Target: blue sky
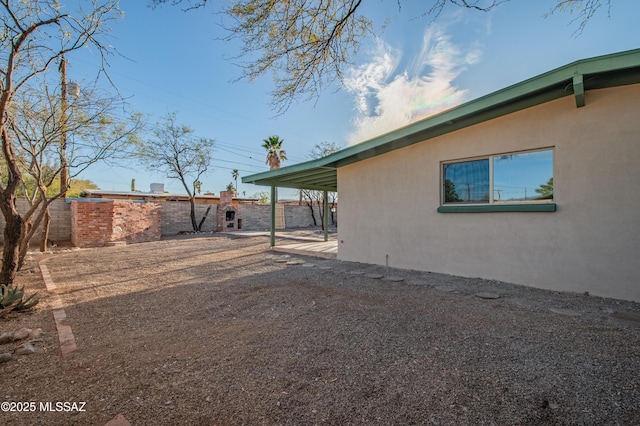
(174, 61)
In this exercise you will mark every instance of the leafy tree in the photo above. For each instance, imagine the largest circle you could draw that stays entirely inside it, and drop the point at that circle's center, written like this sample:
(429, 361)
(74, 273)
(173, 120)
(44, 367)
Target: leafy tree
(308, 44)
(56, 140)
(36, 35)
(78, 186)
(546, 190)
(232, 188)
(262, 197)
(176, 151)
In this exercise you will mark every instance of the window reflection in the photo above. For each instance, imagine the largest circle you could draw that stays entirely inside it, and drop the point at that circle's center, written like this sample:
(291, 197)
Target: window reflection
(467, 182)
(525, 176)
(517, 177)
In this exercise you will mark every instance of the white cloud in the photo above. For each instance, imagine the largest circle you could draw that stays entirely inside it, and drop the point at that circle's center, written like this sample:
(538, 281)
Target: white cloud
(387, 98)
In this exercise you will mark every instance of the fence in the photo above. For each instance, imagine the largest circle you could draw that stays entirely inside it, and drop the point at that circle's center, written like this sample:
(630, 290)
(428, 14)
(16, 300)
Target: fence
(175, 218)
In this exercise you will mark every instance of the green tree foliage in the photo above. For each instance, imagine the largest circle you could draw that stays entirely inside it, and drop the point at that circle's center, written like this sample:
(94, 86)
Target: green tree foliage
(450, 194)
(275, 153)
(262, 197)
(235, 175)
(174, 150)
(232, 188)
(57, 138)
(546, 190)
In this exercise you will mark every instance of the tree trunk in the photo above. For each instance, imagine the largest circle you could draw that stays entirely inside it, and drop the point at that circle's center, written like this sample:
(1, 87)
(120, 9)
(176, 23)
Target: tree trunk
(11, 247)
(194, 223)
(313, 216)
(25, 237)
(45, 228)
(30, 226)
(321, 211)
(204, 218)
(13, 220)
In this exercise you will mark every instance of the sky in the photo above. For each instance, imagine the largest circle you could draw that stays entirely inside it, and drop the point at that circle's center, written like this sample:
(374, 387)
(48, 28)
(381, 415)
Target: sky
(172, 61)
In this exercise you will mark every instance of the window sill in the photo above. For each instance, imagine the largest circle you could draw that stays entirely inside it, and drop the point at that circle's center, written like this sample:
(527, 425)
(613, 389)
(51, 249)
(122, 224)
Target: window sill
(497, 208)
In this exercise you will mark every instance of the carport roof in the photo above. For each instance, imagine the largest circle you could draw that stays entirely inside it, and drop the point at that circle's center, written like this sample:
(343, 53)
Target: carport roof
(616, 69)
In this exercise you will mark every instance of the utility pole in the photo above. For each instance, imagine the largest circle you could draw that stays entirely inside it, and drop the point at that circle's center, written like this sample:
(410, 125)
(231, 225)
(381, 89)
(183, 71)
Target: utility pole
(64, 177)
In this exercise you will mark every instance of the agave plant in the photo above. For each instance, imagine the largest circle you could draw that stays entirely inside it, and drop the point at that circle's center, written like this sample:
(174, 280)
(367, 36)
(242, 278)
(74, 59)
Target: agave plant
(13, 300)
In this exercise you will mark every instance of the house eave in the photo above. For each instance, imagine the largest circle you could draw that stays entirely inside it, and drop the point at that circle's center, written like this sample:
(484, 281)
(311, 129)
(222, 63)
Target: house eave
(574, 79)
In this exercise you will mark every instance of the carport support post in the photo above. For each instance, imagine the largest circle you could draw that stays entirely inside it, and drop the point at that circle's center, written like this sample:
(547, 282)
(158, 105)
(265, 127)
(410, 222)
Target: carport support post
(272, 238)
(325, 219)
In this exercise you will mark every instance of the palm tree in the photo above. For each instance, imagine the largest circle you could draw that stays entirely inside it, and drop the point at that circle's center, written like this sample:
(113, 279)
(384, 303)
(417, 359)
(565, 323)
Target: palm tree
(234, 175)
(275, 153)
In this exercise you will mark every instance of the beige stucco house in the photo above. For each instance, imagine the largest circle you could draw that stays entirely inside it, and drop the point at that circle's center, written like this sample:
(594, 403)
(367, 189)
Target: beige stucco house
(537, 184)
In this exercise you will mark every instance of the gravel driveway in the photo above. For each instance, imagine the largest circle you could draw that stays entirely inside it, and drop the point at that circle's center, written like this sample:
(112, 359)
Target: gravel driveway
(219, 330)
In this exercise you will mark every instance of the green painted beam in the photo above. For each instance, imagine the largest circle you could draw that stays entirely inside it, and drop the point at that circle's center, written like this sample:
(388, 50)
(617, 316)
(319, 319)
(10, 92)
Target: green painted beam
(325, 219)
(272, 235)
(578, 90)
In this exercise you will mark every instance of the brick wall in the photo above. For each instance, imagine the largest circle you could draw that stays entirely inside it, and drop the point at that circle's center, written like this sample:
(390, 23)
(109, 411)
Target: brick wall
(176, 217)
(136, 222)
(91, 223)
(97, 223)
(257, 217)
(298, 217)
(60, 226)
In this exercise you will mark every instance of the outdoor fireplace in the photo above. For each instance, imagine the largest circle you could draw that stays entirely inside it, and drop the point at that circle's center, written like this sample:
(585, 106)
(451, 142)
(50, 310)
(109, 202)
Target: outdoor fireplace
(226, 217)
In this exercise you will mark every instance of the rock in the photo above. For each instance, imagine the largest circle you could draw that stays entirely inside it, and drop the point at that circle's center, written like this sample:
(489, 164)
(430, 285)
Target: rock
(26, 349)
(446, 288)
(374, 276)
(7, 356)
(118, 420)
(487, 295)
(394, 279)
(35, 335)
(22, 334)
(6, 338)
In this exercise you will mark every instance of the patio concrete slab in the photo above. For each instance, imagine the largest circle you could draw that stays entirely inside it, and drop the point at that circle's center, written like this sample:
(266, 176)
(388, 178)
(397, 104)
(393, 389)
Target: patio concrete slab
(323, 249)
(308, 245)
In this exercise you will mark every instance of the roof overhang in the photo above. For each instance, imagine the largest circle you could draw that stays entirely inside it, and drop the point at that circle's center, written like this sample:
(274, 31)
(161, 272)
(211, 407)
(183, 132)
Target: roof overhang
(575, 79)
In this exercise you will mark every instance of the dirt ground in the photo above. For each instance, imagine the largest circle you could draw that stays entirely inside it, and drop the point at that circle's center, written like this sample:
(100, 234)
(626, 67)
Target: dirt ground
(219, 330)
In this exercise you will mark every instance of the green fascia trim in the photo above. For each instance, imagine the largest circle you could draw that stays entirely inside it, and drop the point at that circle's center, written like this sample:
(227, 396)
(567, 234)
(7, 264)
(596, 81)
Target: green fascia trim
(616, 69)
(499, 208)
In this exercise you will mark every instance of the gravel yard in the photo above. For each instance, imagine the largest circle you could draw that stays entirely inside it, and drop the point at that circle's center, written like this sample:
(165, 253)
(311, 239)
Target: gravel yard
(220, 330)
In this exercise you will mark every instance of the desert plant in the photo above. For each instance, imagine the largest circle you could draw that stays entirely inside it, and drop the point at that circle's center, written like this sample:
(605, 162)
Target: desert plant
(13, 300)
